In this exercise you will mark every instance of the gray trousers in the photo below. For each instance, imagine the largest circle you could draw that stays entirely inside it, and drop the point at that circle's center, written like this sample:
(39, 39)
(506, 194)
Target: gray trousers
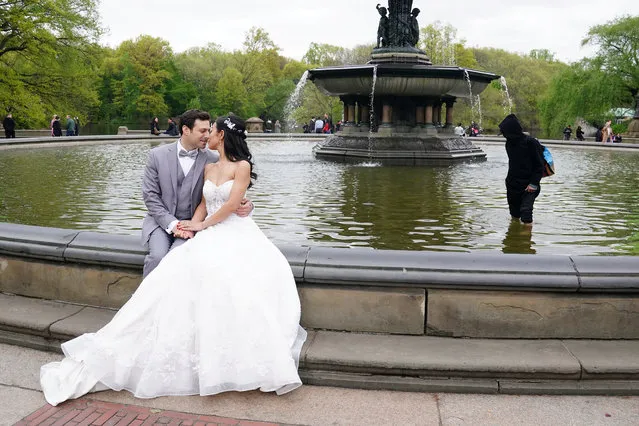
(160, 243)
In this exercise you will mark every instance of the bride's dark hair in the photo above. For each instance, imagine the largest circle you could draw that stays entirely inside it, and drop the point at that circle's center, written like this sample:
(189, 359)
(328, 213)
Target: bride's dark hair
(235, 147)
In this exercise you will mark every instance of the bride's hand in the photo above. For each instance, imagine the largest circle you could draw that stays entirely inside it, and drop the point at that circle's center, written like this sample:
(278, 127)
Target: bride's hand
(189, 225)
(245, 208)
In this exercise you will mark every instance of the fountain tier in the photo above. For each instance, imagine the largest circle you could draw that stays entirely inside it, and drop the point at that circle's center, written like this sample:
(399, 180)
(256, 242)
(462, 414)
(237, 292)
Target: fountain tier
(410, 119)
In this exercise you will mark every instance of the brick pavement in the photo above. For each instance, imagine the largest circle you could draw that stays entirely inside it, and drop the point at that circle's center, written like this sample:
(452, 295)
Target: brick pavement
(88, 412)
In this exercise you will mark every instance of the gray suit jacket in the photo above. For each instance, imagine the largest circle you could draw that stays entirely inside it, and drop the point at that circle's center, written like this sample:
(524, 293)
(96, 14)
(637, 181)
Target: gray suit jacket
(159, 186)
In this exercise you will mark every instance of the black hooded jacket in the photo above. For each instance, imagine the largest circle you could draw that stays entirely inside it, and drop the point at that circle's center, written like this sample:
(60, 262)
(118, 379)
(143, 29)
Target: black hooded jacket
(525, 155)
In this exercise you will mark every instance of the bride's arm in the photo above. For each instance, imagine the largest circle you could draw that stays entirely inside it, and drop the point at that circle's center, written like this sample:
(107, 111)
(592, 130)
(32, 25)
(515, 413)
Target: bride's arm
(241, 182)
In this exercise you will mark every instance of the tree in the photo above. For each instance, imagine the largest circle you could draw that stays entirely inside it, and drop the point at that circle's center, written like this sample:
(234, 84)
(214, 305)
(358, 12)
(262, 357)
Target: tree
(203, 68)
(527, 79)
(585, 91)
(231, 94)
(542, 55)
(324, 55)
(138, 74)
(47, 48)
(618, 49)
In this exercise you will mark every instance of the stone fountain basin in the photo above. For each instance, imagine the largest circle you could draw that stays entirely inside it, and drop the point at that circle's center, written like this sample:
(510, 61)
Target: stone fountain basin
(400, 80)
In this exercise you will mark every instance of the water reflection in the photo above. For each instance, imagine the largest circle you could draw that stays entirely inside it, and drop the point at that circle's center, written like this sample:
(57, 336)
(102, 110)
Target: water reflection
(518, 239)
(590, 206)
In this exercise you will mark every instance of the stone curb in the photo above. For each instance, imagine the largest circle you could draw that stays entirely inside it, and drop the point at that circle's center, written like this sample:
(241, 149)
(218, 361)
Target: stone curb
(339, 267)
(405, 363)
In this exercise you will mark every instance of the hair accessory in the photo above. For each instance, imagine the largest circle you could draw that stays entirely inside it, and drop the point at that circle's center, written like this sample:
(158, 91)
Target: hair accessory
(234, 127)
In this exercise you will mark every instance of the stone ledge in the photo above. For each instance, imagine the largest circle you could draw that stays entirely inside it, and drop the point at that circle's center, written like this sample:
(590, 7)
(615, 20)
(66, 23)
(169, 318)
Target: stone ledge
(433, 356)
(361, 267)
(409, 363)
(34, 241)
(36, 315)
(106, 249)
(624, 363)
(609, 272)
(88, 320)
(569, 387)
(390, 310)
(440, 270)
(522, 315)
(399, 383)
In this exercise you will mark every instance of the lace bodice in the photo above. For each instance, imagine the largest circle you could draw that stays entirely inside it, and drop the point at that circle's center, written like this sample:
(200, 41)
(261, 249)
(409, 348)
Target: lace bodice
(216, 196)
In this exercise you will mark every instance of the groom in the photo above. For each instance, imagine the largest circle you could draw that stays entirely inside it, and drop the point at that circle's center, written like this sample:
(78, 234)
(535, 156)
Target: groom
(172, 187)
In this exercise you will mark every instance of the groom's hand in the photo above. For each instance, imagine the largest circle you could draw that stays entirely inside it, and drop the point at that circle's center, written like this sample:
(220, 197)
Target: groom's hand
(245, 209)
(181, 233)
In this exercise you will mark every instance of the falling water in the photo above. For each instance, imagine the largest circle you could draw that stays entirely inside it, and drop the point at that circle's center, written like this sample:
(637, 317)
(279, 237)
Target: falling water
(471, 98)
(479, 113)
(372, 122)
(293, 103)
(508, 103)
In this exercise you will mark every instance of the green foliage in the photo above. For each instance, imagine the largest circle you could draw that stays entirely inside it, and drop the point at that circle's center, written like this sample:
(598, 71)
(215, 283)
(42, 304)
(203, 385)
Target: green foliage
(618, 48)
(324, 55)
(582, 91)
(50, 63)
(527, 78)
(48, 57)
(620, 127)
(232, 94)
(139, 75)
(592, 87)
(542, 55)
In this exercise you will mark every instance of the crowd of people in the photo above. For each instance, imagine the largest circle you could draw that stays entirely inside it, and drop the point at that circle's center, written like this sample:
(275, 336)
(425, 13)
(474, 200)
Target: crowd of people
(171, 129)
(604, 134)
(71, 126)
(322, 125)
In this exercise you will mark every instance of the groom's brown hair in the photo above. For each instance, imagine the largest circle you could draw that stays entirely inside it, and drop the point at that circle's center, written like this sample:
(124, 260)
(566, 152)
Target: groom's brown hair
(188, 118)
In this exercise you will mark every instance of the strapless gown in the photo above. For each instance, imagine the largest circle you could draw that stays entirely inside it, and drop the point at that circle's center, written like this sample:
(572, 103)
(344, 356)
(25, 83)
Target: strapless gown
(219, 313)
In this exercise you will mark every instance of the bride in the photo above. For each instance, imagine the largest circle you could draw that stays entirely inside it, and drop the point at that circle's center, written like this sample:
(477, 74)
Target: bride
(220, 313)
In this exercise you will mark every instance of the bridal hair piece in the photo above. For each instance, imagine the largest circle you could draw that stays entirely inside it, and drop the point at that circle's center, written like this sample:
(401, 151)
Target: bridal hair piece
(236, 127)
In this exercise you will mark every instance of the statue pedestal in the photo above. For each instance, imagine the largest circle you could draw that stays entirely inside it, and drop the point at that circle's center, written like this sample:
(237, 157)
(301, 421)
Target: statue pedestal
(406, 55)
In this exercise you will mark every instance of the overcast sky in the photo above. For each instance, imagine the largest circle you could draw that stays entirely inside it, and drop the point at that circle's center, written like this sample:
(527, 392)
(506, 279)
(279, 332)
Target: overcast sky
(513, 25)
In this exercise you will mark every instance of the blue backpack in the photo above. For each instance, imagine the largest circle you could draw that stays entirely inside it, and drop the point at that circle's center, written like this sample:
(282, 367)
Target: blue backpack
(549, 163)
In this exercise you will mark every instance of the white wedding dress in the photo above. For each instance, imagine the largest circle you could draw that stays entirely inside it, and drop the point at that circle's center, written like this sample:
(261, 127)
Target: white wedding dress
(220, 313)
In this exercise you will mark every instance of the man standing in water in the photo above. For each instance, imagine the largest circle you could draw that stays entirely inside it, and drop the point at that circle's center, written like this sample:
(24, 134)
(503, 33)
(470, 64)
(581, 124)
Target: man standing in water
(525, 169)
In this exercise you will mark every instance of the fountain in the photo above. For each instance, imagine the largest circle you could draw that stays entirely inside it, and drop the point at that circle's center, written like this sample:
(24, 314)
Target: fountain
(410, 96)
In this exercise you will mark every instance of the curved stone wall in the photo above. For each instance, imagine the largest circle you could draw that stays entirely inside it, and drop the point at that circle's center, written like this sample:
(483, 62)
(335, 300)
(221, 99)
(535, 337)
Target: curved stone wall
(399, 292)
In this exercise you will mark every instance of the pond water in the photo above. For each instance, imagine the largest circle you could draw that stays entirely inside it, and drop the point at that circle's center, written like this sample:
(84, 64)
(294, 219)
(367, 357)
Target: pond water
(591, 206)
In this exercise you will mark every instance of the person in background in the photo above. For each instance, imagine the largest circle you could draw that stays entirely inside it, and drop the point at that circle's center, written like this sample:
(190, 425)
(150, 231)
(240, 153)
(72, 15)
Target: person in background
(580, 134)
(618, 138)
(459, 130)
(525, 169)
(155, 126)
(278, 126)
(9, 125)
(70, 126)
(319, 125)
(606, 133)
(172, 129)
(56, 126)
(77, 126)
(567, 133)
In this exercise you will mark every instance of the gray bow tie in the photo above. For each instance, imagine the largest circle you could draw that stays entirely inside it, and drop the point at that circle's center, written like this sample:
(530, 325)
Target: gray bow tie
(185, 153)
